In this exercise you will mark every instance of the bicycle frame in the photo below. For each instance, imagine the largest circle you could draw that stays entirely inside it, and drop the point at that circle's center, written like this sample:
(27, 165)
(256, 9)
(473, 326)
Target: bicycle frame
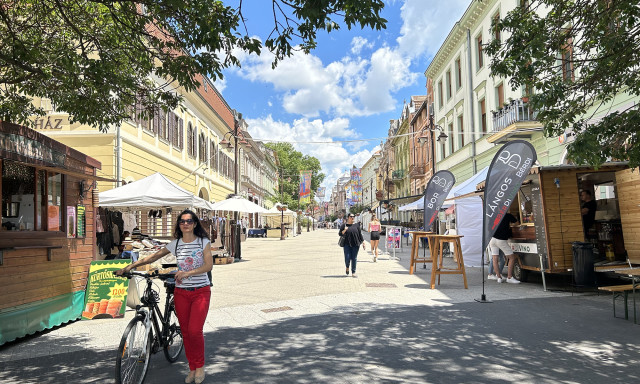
(151, 314)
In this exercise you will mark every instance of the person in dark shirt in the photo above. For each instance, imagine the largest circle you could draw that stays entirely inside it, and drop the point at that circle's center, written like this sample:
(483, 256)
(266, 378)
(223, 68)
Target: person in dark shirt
(499, 242)
(588, 210)
(353, 238)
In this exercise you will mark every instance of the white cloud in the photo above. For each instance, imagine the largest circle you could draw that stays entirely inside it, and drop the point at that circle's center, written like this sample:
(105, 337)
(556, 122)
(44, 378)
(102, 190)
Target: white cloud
(425, 26)
(358, 43)
(315, 138)
(220, 84)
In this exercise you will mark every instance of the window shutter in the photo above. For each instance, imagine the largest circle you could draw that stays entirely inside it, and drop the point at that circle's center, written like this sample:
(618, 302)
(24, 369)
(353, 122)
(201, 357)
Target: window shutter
(181, 133)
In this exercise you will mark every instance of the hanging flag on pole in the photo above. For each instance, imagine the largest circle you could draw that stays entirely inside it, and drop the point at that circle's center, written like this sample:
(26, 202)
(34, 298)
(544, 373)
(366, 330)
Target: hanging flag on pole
(356, 185)
(304, 193)
(509, 168)
(434, 195)
(320, 192)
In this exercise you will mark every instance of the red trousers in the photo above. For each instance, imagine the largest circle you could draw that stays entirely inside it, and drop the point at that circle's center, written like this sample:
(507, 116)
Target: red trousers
(192, 308)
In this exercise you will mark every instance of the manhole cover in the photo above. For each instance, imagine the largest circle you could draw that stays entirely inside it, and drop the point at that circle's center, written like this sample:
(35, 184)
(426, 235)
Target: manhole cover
(381, 285)
(279, 309)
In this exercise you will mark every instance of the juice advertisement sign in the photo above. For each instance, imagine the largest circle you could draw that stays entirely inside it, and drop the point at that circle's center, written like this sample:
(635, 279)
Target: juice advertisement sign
(106, 293)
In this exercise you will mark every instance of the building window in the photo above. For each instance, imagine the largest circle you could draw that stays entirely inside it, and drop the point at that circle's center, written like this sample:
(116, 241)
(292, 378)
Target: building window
(452, 140)
(480, 62)
(461, 131)
(202, 148)
(449, 93)
(496, 30)
(567, 61)
(190, 141)
(500, 96)
(440, 96)
(483, 116)
(458, 74)
(213, 154)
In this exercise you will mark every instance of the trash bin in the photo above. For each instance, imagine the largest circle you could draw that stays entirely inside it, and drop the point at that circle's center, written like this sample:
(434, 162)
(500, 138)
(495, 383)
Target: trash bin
(583, 260)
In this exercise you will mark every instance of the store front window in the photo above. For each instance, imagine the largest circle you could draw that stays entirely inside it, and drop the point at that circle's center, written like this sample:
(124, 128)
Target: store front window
(27, 197)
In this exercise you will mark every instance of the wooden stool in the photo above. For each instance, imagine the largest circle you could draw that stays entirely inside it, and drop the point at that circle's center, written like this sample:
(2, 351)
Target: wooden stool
(415, 249)
(438, 269)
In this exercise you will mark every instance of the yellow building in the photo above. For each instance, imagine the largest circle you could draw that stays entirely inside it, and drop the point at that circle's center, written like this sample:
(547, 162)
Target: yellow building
(182, 144)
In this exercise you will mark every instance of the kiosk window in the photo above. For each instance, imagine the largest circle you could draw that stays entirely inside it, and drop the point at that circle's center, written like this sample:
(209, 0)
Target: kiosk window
(31, 198)
(525, 205)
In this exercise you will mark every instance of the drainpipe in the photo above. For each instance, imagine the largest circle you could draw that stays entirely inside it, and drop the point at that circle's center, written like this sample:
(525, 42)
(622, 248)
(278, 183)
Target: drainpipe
(118, 157)
(472, 119)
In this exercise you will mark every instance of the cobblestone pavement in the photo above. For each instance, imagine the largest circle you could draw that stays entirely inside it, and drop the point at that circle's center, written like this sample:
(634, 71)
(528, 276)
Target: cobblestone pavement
(288, 313)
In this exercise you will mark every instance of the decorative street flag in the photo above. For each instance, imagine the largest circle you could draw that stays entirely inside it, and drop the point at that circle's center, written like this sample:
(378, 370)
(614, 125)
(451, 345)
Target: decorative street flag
(435, 194)
(349, 194)
(506, 173)
(320, 192)
(356, 185)
(304, 192)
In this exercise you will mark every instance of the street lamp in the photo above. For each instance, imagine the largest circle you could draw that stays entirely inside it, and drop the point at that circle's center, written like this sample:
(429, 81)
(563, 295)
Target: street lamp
(235, 134)
(281, 208)
(442, 138)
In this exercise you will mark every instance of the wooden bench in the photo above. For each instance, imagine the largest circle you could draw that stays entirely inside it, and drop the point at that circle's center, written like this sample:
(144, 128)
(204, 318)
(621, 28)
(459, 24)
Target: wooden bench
(621, 291)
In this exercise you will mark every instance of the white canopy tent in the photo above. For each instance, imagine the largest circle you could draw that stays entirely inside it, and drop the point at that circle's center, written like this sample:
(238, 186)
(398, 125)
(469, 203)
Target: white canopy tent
(416, 205)
(468, 212)
(273, 218)
(155, 191)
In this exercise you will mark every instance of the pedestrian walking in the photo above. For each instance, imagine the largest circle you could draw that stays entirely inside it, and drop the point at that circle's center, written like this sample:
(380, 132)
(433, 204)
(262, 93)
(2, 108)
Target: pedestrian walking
(192, 294)
(374, 231)
(352, 239)
(499, 242)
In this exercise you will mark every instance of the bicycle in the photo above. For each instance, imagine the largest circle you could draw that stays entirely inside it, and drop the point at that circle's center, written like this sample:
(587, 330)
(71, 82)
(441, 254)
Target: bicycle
(149, 331)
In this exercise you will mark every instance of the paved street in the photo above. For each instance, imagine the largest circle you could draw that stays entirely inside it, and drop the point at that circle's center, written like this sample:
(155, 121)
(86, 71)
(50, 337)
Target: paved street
(287, 313)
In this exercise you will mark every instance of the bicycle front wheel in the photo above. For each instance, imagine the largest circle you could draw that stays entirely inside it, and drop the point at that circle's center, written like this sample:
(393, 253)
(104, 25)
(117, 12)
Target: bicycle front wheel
(174, 343)
(134, 352)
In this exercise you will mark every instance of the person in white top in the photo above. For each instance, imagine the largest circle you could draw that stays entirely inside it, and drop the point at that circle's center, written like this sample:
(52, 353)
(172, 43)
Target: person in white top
(193, 293)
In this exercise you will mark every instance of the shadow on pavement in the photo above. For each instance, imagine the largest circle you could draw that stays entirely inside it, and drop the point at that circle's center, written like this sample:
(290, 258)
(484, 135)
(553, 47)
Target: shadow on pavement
(548, 340)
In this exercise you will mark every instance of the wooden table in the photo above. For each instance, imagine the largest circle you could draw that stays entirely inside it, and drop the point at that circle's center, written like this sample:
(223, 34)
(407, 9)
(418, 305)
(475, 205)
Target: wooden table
(438, 269)
(415, 249)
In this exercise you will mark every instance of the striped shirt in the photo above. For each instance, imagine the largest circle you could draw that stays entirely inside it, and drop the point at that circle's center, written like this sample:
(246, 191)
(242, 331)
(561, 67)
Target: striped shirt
(190, 256)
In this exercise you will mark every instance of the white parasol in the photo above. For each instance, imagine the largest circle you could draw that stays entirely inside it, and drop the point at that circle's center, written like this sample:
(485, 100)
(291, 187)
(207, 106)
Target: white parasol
(237, 204)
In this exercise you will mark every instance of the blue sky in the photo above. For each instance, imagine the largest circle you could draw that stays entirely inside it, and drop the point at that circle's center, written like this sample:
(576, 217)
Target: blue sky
(346, 89)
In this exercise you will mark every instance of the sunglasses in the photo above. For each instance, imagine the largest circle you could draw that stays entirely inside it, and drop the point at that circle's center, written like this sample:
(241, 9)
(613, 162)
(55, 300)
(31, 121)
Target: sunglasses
(188, 221)
(351, 217)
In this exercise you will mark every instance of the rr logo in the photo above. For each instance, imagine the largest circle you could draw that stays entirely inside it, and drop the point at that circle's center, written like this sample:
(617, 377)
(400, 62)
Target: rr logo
(511, 160)
(441, 181)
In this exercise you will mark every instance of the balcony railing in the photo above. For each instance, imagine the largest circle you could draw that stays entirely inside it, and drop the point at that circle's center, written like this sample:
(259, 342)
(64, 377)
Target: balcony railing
(416, 171)
(397, 175)
(514, 112)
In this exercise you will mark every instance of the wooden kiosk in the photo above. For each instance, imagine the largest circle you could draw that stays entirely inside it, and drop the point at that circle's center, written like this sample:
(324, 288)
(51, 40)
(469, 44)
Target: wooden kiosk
(548, 207)
(47, 238)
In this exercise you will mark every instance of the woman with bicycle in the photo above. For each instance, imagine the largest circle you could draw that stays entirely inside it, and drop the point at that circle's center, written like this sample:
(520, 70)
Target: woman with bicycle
(193, 293)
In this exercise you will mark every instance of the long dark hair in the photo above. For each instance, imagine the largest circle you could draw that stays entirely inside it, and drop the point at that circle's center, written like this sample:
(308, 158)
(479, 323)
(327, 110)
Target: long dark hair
(198, 229)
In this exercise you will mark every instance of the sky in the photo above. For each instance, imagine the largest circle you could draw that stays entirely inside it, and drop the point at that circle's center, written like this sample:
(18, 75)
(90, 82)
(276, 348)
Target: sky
(336, 103)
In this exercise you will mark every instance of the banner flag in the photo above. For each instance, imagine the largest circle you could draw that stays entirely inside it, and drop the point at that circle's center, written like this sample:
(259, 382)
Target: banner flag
(356, 185)
(506, 173)
(304, 193)
(320, 192)
(434, 195)
(349, 194)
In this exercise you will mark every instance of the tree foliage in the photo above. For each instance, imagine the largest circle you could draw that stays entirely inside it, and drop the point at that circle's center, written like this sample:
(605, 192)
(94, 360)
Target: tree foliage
(94, 58)
(290, 163)
(600, 43)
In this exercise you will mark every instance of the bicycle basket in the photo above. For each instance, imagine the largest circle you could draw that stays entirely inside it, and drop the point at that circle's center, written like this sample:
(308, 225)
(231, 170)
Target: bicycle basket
(137, 285)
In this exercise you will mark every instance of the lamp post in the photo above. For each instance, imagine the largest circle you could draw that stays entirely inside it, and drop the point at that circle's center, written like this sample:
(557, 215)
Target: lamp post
(237, 119)
(442, 138)
(281, 208)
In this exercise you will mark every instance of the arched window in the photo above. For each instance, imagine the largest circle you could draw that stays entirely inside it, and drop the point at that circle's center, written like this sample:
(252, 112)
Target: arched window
(191, 145)
(202, 148)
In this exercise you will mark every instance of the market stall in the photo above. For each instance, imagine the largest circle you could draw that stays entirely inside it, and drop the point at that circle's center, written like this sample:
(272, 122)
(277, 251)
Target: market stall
(549, 209)
(47, 237)
(274, 219)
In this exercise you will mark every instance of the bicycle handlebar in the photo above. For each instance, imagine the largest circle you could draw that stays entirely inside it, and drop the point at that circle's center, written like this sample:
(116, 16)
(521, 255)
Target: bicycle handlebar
(150, 275)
